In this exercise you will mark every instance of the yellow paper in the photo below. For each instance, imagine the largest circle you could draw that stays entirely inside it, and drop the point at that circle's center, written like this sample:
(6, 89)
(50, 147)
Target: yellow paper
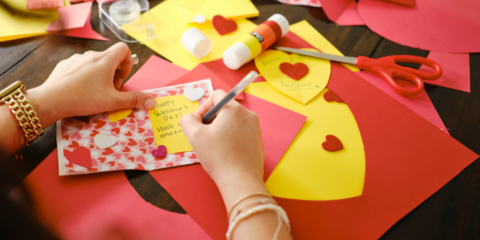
(119, 114)
(169, 27)
(302, 90)
(166, 122)
(308, 33)
(307, 171)
(231, 9)
(18, 26)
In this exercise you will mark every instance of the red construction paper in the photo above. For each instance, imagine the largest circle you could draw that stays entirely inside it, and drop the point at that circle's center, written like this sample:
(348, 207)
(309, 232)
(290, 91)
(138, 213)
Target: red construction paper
(408, 3)
(422, 105)
(343, 12)
(407, 160)
(222, 25)
(44, 4)
(279, 128)
(101, 206)
(437, 25)
(80, 156)
(332, 144)
(330, 96)
(155, 72)
(83, 32)
(296, 72)
(456, 70)
(73, 16)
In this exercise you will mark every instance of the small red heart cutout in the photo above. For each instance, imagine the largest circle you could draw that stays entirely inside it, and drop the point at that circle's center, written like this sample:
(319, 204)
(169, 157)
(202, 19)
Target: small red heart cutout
(296, 72)
(160, 152)
(332, 144)
(330, 96)
(222, 25)
(79, 156)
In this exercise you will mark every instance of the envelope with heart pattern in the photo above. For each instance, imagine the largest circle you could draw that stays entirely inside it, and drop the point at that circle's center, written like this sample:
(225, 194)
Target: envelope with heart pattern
(101, 145)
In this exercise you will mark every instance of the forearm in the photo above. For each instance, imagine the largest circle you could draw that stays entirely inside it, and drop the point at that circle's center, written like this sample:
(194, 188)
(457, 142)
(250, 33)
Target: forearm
(260, 225)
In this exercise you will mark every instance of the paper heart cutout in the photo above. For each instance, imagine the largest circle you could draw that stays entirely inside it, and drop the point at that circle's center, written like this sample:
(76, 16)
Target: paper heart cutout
(103, 141)
(222, 25)
(199, 19)
(297, 71)
(119, 114)
(268, 63)
(193, 94)
(330, 96)
(332, 144)
(161, 151)
(80, 156)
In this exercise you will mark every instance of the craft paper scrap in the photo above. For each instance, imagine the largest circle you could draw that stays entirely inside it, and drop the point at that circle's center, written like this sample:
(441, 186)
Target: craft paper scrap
(422, 105)
(83, 32)
(43, 4)
(231, 9)
(118, 114)
(105, 204)
(166, 122)
(73, 16)
(19, 7)
(456, 70)
(169, 27)
(343, 12)
(303, 90)
(135, 139)
(435, 25)
(309, 34)
(18, 26)
(310, 3)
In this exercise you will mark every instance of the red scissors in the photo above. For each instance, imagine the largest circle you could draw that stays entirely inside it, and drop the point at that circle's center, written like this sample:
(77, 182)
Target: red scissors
(386, 67)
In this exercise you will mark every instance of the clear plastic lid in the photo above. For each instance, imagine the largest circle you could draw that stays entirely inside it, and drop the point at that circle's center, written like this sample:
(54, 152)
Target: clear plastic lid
(125, 13)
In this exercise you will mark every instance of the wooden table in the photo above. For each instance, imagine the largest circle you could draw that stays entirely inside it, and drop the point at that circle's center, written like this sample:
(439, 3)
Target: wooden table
(451, 213)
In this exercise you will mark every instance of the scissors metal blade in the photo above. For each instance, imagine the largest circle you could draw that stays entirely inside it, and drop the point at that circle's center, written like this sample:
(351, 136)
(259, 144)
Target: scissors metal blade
(336, 58)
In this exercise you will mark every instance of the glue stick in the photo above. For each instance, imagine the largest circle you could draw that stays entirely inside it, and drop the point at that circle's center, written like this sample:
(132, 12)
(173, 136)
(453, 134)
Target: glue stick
(250, 46)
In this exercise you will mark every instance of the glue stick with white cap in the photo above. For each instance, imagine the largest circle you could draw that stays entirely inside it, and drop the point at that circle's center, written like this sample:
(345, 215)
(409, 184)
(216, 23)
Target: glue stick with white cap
(250, 46)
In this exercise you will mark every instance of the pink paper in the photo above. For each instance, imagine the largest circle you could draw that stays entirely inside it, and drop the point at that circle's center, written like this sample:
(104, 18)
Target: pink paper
(456, 70)
(73, 16)
(422, 105)
(83, 32)
(101, 206)
(437, 25)
(155, 72)
(343, 12)
(408, 3)
(310, 3)
(44, 4)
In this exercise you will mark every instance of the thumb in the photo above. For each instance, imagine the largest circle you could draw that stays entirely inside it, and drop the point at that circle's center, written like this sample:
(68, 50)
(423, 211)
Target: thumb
(137, 100)
(190, 124)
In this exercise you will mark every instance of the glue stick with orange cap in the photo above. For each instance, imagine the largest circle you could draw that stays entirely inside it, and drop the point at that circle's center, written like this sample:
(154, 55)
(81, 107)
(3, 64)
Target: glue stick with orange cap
(250, 46)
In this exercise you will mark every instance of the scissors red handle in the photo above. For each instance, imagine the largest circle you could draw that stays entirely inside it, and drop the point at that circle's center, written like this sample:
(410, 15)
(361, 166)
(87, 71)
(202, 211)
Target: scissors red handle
(388, 74)
(366, 63)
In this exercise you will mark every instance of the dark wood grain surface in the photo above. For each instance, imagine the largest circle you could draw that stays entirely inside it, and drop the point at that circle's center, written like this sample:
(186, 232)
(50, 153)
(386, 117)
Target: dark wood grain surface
(451, 213)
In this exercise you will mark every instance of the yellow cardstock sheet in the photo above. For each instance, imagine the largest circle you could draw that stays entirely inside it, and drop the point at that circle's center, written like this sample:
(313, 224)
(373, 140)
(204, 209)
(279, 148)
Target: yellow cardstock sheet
(166, 122)
(307, 171)
(118, 115)
(231, 9)
(308, 33)
(303, 90)
(169, 27)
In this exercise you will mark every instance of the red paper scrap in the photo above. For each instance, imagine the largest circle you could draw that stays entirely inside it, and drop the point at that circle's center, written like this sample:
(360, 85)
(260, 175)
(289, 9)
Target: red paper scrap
(222, 25)
(80, 156)
(456, 70)
(332, 144)
(422, 105)
(44, 4)
(408, 3)
(437, 25)
(101, 206)
(295, 72)
(343, 12)
(73, 16)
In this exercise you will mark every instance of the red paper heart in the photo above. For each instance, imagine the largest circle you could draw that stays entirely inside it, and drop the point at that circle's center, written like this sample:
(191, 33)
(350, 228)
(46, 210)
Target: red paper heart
(330, 96)
(332, 143)
(296, 72)
(80, 156)
(222, 25)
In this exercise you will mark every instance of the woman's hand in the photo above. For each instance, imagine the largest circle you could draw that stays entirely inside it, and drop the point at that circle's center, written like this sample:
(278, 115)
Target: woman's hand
(88, 84)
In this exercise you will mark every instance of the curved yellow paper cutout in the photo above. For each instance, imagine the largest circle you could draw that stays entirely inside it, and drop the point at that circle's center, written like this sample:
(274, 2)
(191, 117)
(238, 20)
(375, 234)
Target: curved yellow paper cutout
(303, 90)
(118, 115)
(307, 171)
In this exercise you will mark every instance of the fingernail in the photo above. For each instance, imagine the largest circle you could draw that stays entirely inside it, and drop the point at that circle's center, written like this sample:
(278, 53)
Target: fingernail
(149, 103)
